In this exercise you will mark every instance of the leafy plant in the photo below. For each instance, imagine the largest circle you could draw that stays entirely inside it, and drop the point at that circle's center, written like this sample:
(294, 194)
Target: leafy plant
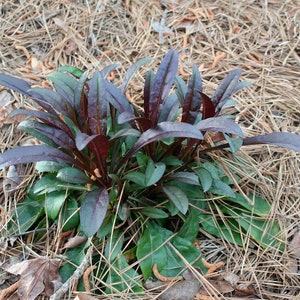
(118, 163)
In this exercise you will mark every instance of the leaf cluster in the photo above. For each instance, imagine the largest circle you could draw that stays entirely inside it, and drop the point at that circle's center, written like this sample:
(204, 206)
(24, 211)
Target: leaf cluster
(115, 161)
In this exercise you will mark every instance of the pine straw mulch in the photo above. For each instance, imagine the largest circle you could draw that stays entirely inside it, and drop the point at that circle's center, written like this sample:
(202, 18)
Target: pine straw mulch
(263, 37)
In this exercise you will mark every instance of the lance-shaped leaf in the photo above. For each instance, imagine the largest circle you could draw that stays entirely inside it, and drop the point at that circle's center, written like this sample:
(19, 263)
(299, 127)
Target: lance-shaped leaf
(192, 101)
(29, 154)
(73, 175)
(177, 197)
(64, 85)
(52, 101)
(219, 124)
(147, 91)
(161, 131)
(105, 71)
(15, 84)
(167, 130)
(282, 139)
(117, 98)
(79, 90)
(47, 118)
(93, 211)
(97, 104)
(162, 84)
(170, 109)
(181, 89)
(131, 71)
(208, 109)
(48, 134)
(226, 88)
(76, 72)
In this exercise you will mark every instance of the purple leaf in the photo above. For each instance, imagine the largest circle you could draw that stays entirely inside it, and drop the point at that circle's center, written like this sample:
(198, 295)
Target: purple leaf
(226, 88)
(131, 71)
(47, 118)
(29, 154)
(161, 131)
(52, 101)
(93, 211)
(147, 91)
(219, 124)
(97, 105)
(105, 71)
(193, 99)
(162, 84)
(15, 84)
(282, 139)
(48, 134)
(117, 98)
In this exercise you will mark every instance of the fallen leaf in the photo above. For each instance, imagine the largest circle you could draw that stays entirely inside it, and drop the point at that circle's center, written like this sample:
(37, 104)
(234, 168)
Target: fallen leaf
(37, 276)
(84, 296)
(75, 242)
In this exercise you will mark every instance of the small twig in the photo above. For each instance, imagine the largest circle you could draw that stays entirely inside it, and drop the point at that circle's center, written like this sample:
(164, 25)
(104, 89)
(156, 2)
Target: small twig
(219, 56)
(163, 278)
(211, 267)
(9, 290)
(86, 281)
(67, 286)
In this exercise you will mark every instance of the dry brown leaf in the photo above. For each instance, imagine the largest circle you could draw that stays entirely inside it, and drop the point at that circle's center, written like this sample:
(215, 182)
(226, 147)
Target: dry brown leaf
(75, 242)
(37, 276)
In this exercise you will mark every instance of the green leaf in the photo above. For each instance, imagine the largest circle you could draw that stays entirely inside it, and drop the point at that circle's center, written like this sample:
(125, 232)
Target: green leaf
(150, 249)
(72, 70)
(121, 277)
(177, 196)
(205, 178)
(186, 177)
(234, 143)
(260, 207)
(47, 184)
(54, 202)
(190, 228)
(114, 245)
(49, 166)
(27, 213)
(73, 175)
(93, 210)
(154, 212)
(136, 177)
(70, 216)
(222, 189)
(154, 172)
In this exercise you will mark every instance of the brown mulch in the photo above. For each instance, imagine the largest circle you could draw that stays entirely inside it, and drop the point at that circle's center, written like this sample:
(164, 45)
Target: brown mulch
(262, 37)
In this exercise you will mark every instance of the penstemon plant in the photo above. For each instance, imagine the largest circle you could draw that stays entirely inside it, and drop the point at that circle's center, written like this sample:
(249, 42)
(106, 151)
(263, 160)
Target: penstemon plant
(117, 162)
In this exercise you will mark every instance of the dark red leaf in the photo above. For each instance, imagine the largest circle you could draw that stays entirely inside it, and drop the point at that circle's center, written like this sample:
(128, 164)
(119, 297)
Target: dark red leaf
(162, 84)
(193, 99)
(147, 91)
(282, 139)
(29, 154)
(97, 105)
(208, 109)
